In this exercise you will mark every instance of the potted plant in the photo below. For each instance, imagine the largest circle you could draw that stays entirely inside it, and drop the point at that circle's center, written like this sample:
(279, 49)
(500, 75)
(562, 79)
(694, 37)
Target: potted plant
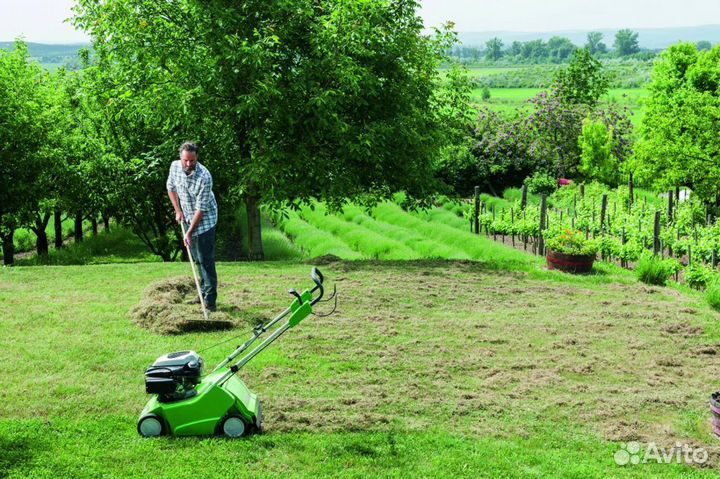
(568, 250)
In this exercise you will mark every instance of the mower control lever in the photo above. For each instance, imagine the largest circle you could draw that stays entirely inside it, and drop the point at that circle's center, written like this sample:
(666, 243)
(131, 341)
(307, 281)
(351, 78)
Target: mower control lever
(293, 292)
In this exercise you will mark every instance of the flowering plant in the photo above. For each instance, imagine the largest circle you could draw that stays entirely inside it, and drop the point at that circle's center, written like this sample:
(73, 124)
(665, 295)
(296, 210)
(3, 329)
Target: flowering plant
(568, 241)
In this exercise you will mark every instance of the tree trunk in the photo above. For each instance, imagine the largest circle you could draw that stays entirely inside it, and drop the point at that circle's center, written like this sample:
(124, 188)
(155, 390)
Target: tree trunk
(41, 243)
(94, 225)
(58, 229)
(255, 247)
(8, 247)
(106, 222)
(78, 227)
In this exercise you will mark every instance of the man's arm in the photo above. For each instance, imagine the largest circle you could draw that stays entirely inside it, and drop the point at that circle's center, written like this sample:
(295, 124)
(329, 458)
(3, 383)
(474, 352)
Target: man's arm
(175, 200)
(197, 218)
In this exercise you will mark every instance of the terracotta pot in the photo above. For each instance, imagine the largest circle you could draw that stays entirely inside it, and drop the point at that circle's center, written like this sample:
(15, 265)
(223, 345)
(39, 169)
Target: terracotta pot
(570, 263)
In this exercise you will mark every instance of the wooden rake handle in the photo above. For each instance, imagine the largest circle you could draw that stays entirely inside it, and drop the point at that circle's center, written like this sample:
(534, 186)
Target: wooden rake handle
(192, 264)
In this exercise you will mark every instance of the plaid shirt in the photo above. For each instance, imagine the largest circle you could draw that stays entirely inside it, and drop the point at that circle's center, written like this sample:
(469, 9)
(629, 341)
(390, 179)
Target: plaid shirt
(195, 194)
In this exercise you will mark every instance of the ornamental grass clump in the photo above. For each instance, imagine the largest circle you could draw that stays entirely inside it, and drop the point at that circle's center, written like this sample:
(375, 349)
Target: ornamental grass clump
(654, 271)
(568, 241)
(712, 294)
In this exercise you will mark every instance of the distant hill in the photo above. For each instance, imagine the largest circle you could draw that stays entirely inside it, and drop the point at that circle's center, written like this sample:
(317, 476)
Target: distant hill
(51, 55)
(650, 38)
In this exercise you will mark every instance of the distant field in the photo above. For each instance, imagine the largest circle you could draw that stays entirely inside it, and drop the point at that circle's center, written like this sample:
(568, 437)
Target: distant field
(508, 100)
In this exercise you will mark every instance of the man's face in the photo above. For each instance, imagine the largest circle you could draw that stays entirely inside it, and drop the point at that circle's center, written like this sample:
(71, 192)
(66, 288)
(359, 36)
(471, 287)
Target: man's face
(188, 159)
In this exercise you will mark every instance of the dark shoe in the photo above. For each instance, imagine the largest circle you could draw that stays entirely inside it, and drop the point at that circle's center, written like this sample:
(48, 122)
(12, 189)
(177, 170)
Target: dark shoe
(211, 308)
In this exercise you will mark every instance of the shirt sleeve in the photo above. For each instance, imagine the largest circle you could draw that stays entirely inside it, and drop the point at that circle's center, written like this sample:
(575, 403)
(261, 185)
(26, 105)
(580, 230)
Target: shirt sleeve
(170, 184)
(203, 199)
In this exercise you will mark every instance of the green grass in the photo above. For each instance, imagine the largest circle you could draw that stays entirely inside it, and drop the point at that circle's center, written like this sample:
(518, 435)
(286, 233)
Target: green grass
(429, 369)
(476, 247)
(116, 246)
(509, 100)
(277, 246)
(24, 239)
(424, 247)
(313, 241)
(361, 239)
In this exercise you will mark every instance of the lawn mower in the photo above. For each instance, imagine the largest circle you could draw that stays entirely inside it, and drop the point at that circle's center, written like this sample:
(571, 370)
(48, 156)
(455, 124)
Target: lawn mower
(186, 403)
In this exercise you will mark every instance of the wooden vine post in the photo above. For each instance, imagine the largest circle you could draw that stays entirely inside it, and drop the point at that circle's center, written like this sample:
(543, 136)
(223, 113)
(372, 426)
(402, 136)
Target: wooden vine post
(476, 216)
(543, 215)
(656, 234)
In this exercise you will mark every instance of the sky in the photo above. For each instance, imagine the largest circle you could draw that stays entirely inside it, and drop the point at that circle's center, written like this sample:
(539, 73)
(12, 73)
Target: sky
(42, 20)
(553, 15)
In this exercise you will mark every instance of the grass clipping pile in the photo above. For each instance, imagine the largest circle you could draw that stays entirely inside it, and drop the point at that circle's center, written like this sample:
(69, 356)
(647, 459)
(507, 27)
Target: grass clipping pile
(166, 309)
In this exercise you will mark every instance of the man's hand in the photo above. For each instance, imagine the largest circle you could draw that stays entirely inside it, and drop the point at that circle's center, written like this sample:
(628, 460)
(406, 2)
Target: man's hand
(179, 216)
(188, 239)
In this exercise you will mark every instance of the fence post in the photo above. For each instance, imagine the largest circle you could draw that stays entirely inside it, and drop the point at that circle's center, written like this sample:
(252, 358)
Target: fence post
(631, 191)
(477, 210)
(670, 206)
(656, 234)
(603, 210)
(512, 222)
(582, 190)
(543, 215)
(523, 200)
(493, 223)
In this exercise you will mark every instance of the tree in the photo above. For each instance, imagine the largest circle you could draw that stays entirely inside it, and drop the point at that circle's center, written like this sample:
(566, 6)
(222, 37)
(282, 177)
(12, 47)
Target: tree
(534, 50)
(583, 81)
(294, 100)
(515, 49)
(23, 133)
(560, 48)
(704, 45)
(595, 43)
(626, 42)
(598, 161)
(680, 128)
(493, 49)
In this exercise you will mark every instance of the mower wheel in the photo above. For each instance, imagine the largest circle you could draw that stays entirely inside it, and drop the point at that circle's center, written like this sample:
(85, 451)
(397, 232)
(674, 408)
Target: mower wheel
(150, 426)
(234, 427)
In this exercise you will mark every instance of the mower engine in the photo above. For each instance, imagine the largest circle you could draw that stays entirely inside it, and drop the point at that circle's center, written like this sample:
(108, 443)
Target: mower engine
(174, 376)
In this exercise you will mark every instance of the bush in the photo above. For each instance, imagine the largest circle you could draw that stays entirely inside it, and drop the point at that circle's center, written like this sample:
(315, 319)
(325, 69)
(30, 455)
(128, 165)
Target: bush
(697, 276)
(485, 93)
(712, 296)
(541, 183)
(651, 270)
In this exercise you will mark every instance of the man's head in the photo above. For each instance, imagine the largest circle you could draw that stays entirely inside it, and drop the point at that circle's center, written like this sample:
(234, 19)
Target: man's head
(188, 156)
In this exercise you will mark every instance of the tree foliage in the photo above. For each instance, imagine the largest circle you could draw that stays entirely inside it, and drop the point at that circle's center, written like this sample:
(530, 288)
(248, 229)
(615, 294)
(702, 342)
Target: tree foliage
(583, 81)
(595, 43)
(24, 156)
(292, 100)
(493, 49)
(681, 126)
(626, 42)
(597, 145)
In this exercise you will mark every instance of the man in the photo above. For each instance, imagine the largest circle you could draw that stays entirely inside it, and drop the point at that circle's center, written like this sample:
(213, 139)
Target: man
(189, 186)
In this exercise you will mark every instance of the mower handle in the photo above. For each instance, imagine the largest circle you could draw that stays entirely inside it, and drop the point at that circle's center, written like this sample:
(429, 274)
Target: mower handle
(318, 278)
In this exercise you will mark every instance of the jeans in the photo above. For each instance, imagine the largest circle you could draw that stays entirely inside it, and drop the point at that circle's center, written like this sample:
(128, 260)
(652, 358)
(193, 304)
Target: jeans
(203, 251)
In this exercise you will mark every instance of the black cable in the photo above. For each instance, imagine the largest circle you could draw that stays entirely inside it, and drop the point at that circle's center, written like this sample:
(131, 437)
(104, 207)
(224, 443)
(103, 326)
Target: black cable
(221, 342)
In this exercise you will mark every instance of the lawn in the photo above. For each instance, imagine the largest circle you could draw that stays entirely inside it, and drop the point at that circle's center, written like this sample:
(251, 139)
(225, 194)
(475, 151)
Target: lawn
(428, 369)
